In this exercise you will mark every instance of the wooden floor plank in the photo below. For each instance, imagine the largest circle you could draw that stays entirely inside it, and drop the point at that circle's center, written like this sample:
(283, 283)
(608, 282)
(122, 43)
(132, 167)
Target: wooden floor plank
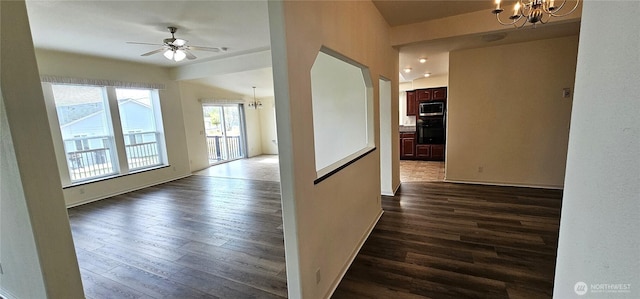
(443, 240)
(208, 237)
(198, 237)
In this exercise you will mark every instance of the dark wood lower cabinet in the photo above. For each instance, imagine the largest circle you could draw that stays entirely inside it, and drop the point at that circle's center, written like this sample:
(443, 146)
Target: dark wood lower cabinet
(407, 146)
(431, 152)
(437, 152)
(423, 151)
(410, 150)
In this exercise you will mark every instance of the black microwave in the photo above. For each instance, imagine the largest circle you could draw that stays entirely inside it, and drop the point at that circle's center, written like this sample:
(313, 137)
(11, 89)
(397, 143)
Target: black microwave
(431, 109)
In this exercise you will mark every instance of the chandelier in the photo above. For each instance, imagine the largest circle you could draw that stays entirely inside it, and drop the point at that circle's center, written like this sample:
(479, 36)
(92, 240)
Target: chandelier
(533, 11)
(255, 104)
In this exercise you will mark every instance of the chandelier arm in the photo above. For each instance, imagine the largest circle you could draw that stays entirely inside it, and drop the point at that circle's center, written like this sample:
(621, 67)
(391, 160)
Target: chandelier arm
(543, 21)
(559, 7)
(507, 24)
(565, 14)
(523, 23)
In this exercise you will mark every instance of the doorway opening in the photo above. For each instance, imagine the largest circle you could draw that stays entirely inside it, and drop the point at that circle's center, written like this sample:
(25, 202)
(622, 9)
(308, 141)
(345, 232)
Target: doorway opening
(224, 132)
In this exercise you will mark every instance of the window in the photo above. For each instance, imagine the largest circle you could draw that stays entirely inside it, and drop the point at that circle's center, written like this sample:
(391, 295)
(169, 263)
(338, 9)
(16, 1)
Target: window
(139, 127)
(87, 129)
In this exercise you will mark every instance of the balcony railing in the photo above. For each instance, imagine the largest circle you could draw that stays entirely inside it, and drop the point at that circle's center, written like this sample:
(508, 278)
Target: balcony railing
(96, 159)
(144, 152)
(217, 148)
(89, 163)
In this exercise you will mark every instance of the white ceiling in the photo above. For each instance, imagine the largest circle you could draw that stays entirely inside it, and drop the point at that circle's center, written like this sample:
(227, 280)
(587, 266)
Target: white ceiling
(102, 28)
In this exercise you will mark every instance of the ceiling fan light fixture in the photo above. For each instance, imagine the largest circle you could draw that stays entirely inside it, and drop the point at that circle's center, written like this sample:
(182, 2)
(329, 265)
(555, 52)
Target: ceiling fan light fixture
(168, 54)
(175, 55)
(176, 49)
(179, 42)
(179, 55)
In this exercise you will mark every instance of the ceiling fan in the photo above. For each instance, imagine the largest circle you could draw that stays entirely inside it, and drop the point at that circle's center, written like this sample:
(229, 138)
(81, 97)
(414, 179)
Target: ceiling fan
(176, 49)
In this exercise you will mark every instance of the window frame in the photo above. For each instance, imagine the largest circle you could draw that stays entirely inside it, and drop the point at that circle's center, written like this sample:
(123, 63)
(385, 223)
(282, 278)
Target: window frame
(120, 164)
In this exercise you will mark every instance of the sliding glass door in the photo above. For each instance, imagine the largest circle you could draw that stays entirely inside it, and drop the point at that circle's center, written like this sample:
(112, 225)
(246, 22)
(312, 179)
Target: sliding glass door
(224, 131)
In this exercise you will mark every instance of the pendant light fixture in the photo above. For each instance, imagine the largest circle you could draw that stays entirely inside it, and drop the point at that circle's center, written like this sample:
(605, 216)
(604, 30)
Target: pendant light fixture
(255, 104)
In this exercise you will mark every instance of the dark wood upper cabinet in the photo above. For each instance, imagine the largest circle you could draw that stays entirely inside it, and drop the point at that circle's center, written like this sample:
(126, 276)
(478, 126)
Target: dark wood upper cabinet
(439, 93)
(412, 105)
(423, 94)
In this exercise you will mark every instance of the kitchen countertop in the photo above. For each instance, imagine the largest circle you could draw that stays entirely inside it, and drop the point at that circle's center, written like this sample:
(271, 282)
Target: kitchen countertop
(407, 129)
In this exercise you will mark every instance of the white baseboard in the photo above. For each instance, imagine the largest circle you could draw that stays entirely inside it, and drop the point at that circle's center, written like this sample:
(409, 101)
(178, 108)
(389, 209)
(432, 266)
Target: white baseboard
(90, 200)
(336, 282)
(505, 184)
(395, 190)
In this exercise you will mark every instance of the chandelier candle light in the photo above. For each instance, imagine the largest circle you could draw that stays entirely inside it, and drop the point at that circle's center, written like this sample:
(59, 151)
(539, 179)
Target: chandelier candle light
(533, 11)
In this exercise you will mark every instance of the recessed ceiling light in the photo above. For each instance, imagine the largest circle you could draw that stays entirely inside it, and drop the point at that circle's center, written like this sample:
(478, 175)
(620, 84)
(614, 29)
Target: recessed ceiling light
(407, 70)
(423, 60)
(426, 75)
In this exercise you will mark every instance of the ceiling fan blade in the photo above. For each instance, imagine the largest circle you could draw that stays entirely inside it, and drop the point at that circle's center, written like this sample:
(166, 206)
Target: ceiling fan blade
(153, 52)
(190, 56)
(210, 49)
(137, 43)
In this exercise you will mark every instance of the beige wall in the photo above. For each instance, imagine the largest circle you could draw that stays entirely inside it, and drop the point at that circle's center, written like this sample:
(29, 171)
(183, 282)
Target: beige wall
(326, 223)
(507, 120)
(36, 248)
(599, 241)
(79, 66)
(268, 127)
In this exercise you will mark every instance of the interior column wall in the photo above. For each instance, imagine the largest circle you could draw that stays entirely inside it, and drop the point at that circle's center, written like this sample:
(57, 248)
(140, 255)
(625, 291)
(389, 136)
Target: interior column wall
(599, 242)
(36, 248)
(326, 223)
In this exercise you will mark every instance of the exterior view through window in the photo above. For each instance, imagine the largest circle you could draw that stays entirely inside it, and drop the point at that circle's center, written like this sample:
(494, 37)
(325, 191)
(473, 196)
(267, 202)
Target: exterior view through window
(141, 139)
(224, 128)
(86, 127)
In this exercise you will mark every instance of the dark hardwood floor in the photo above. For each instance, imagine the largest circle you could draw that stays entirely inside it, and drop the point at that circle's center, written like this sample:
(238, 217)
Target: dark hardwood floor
(198, 237)
(207, 237)
(442, 240)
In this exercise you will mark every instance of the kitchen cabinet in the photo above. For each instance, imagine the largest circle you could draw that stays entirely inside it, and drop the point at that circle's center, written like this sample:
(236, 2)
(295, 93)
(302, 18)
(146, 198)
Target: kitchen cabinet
(423, 151)
(412, 104)
(414, 97)
(423, 94)
(437, 152)
(407, 145)
(431, 152)
(439, 93)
